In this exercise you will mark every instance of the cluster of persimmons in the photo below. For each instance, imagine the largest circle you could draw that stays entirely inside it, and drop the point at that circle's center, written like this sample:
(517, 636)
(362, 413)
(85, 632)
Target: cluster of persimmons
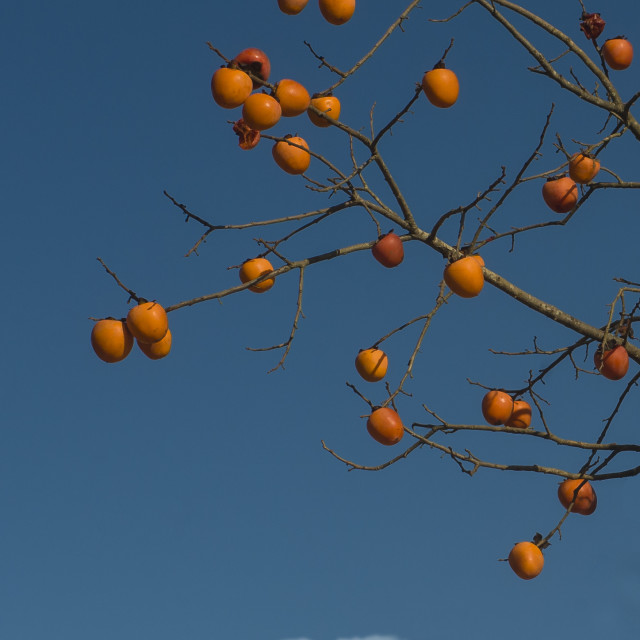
(244, 83)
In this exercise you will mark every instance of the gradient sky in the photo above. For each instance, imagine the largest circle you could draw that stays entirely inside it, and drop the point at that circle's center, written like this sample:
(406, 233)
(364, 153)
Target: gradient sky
(191, 497)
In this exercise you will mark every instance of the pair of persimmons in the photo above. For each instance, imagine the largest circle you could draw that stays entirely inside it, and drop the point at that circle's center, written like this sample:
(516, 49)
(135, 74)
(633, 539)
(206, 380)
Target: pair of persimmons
(333, 11)
(560, 193)
(147, 322)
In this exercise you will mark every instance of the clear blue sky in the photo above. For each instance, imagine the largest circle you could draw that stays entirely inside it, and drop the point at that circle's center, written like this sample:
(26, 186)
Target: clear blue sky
(191, 497)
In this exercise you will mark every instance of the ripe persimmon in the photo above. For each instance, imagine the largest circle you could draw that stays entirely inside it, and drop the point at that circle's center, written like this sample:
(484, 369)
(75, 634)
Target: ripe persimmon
(111, 340)
(327, 104)
(157, 350)
(618, 53)
(586, 500)
(560, 194)
(520, 416)
(497, 407)
(372, 364)
(148, 322)
(583, 167)
(614, 364)
(464, 277)
(388, 250)
(290, 158)
(337, 11)
(230, 87)
(292, 7)
(254, 268)
(441, 87)
(261, 111)
(526, 560)
(256, 62)
(385, 426)
(294, 99)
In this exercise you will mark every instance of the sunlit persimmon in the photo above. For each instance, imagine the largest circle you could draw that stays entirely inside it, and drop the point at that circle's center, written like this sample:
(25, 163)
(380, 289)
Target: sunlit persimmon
(388, 250)
(614, 364)
(441, 87)
(560, 194)
(111, 340)
(290, 158)
(526, 560)
(294, 99)
(327, 104)
(497, 407)
(520, 416)
(372, 364)
(261, 111)
(337, 11)
(618, 53)
(464, 277)
(248, 138)
(157, 350)
(254, 268)
(479, 258)
(148, 322)
(385, 426)
(292, 7)
(256, 62)
(230, 87)
(586, 500)
(583, 168)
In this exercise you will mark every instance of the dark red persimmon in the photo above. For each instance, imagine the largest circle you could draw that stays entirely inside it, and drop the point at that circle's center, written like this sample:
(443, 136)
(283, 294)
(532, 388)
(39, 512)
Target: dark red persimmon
(614, 364)
(388, 251)
(255, 61)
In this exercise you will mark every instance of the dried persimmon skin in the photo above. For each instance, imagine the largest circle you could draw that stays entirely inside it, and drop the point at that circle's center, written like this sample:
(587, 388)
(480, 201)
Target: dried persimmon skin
(592, 25)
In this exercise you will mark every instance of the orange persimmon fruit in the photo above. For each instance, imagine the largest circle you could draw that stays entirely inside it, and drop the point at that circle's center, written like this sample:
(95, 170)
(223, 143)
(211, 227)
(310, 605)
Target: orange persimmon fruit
(254, 268)
(372, 364)
(614, 364)
(520, 416)
(111, 340)
(526, 560)
(560, 194)
(261, 111)
(583, 168)
(464, 277)
(148, 322)
(294, 99)
(618, 53)
(586, 500)
(384, 426)
(388, 250)
(230, 87)
(157, 350)
(337, 11)
(292, 7)
(497, 407)
(327, 104)
(441, 87)
(290, 158)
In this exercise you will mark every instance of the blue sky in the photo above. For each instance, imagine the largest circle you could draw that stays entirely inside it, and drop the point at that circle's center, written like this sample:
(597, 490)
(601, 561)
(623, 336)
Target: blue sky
(191, 497)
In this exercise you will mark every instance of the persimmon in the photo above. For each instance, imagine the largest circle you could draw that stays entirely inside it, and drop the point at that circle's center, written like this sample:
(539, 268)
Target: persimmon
(157, 350)
(388, 250)
(372, 364)
(230, 87)
(256, 62)
(290, 158)
(337, 11)
(254, 268)
(614, 364)
(526, 560)
(261, 111)
(464, 277)
(148, 322)
(441, 87)
(384, 425)
(560, 194)
(618, 53)
(327, 104)
(111, 340)
(497, 407)
(586, 500)
(520, 416)
(294, 99)
(292, 7)
(248, 138)
(583, 167)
